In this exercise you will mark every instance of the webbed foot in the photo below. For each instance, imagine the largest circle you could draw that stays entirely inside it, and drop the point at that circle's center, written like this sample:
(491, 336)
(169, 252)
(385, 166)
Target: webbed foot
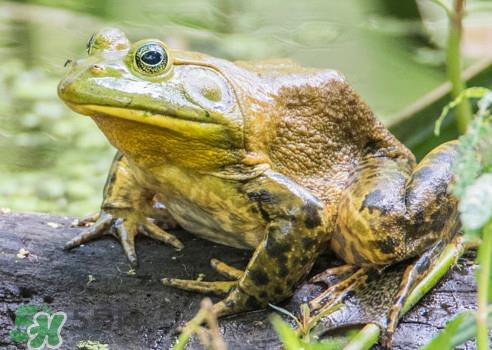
(236, 300)
(414, 273)
(382, 298)
(352, 277)
(125, 225)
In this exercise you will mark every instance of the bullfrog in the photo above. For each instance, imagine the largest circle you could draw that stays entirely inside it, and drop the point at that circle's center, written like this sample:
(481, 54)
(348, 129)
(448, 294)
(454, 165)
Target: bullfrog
(270, 156)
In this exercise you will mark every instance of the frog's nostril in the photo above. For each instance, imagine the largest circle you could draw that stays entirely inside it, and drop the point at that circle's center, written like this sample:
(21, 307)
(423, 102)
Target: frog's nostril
(63, 89)
(68, 62)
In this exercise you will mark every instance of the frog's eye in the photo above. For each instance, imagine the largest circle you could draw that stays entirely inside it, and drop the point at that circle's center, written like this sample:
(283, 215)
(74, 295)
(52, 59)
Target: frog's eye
(151, 58)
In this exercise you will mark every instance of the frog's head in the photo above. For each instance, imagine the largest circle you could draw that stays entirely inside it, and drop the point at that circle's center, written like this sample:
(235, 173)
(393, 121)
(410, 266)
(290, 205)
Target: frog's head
(193, 110)
(154, 103)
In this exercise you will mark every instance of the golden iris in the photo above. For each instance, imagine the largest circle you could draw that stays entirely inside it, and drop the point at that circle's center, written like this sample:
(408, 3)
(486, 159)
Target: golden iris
(151, 58)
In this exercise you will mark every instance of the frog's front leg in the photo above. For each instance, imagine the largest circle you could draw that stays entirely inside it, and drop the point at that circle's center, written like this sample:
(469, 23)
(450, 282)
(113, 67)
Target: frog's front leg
(296, 232)
(125, 212)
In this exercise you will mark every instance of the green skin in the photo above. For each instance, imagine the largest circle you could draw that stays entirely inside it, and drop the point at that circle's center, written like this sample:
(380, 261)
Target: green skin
(268, 156)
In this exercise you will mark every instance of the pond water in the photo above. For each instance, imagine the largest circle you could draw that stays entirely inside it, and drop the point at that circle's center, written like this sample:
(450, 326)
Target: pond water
(53, 160)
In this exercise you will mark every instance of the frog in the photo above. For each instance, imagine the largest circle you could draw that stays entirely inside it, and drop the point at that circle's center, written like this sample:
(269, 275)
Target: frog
(279, 159)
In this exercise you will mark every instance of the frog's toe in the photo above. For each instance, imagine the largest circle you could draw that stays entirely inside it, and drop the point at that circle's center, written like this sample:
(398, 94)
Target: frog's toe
(387, 340)
(97, 230)
(220, 288)
(226, 270)
(336, 292)
(332, 275)
(88, 220)
(126, 236)
(152, 230)
(125, 226)
(161, 215)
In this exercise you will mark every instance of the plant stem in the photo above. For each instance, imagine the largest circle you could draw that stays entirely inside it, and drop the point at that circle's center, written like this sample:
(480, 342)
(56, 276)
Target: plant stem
(190, 328)
(453, 61)
(485, 260)
(365, 339)
(446, 260)
(445, 6)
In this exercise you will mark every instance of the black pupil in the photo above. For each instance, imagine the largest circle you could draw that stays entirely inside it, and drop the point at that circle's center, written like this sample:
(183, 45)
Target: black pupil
(152, 57)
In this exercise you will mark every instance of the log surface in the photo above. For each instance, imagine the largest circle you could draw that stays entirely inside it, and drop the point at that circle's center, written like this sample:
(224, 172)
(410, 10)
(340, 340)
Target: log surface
(105, 303)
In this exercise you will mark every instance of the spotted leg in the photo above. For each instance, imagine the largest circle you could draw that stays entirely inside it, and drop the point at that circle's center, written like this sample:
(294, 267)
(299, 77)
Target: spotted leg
(393, 211)
(294, 236)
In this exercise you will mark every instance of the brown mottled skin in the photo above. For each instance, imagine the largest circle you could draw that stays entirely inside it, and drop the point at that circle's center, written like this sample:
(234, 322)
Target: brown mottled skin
(268, 156)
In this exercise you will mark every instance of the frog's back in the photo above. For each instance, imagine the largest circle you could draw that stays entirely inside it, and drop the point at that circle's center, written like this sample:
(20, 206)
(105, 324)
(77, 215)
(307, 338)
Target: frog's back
(307, 123)
(315, 127)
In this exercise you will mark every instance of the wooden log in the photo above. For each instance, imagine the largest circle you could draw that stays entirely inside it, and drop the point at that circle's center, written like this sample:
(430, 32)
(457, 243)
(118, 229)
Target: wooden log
(106, 301)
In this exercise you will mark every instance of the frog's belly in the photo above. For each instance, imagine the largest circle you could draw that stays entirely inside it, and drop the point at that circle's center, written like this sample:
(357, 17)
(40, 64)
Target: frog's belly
(207, 206)
(233, 227)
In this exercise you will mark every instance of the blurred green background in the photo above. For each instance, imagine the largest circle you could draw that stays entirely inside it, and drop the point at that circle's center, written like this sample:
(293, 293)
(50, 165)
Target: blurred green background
(53, 160)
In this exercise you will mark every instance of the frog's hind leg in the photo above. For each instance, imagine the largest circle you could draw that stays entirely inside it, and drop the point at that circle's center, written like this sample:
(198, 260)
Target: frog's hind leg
(226, 270)
(412, 275)
(88, 220)
(382, 298)
(339, 281)
(220, 288)
(295, 234)
(415, 273)
(394, 210)
(334, 274)
(335, 293)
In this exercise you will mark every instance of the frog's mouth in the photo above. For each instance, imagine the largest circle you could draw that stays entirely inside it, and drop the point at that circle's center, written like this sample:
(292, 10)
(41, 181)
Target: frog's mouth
(180, 124)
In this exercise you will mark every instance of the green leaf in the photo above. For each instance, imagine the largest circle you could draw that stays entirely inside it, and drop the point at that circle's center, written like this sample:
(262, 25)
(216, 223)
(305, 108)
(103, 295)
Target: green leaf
(314, 320)
(286, 313)
(474, 157)
(483, 257)
(476, 204)
(473, 92)
(328, 344)
(286, 333)
(292, 341)
(466, 329)
(444, 340)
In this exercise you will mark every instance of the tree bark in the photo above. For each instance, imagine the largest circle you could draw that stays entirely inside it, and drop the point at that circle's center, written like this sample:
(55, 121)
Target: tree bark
(105, 302)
